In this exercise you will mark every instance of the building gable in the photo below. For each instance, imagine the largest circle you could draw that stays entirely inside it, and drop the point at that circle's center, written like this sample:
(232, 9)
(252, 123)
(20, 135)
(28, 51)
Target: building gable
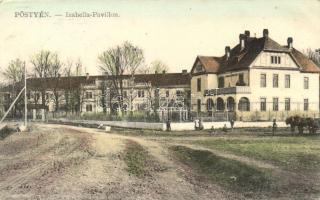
(197, 67)
(275, 60)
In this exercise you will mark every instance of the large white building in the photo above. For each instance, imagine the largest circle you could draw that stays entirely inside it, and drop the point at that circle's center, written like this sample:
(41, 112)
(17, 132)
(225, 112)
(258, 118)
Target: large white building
(258, 79)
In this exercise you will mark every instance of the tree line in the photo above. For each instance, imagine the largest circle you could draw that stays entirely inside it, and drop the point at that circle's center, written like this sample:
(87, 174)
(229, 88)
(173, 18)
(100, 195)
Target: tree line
(124, 59)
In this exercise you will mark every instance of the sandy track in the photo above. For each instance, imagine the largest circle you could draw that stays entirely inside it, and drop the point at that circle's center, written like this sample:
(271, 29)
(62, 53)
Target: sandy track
(80, 163)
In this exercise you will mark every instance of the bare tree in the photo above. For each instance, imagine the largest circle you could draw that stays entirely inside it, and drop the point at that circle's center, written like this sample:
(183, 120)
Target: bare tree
(67, 72)
(14, 74)
(157, 66)
(54, 72)
(41, 65)
(73, 93)
(119, 61)
(313, 55)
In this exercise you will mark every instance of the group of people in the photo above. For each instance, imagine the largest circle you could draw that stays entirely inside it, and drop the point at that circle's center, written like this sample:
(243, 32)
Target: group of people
(198, 125)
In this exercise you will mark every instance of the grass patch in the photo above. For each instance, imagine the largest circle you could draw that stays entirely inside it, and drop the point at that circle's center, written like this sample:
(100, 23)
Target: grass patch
(292, 153)
(136, 158)
(263, 132)
(5, 132)
(225, 172)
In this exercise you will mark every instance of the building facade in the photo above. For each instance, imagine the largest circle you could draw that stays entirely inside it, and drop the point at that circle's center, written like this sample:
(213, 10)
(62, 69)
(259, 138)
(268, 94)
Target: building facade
(161, 93)
(258, 79)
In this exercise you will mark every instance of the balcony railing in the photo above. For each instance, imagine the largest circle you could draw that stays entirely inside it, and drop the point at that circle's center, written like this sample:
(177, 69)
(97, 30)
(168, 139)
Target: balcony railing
(228, 90)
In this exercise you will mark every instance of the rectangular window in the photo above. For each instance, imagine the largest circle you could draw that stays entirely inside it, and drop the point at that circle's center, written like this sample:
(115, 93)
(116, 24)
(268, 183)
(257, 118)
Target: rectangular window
(287, 81)
(306, 83)
(89, 95)
(125, 95)
(275, 80)
(275, 104)
(275, 60)
(89, 108)
(221, 82)
(167, 93)
(179, 93)
(241, 80)
(263, 80)
(156, 92)
(263, 104)
(140, 93)
(287, 104)
(199, 84)
(199, 105)
(305, 104)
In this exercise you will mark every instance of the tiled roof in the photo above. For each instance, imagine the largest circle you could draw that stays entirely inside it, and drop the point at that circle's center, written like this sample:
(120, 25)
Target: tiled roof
(210, 63)
(158, 80)
(305, 63)
(242, 59)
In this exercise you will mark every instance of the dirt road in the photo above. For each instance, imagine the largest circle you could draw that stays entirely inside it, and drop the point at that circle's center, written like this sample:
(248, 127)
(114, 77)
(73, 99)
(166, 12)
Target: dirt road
(62, 162)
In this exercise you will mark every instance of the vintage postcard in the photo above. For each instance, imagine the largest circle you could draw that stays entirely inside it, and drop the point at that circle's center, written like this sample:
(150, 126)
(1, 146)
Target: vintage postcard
(159, 99)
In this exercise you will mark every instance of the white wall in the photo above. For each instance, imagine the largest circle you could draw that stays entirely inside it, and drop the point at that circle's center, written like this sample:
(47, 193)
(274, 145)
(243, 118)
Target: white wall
(123, 124)
(174, 126)
(208, 81)
(217, 125)
(264, 59)
(296, 92)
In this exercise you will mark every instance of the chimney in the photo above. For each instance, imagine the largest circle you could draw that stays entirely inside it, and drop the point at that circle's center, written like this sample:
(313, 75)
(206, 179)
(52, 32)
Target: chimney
(87, 76)
(184, 72)
(227, 49)
(242, 42)
(265, 33)
(156, 72)
(247, 33)
(289, 41)
(164, 71)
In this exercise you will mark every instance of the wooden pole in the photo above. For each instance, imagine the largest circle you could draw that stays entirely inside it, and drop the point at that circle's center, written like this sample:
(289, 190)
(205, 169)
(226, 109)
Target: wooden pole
(25, 97)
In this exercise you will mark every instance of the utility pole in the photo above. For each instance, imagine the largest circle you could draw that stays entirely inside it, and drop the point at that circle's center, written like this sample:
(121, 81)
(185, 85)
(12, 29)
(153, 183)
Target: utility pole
(25, 97)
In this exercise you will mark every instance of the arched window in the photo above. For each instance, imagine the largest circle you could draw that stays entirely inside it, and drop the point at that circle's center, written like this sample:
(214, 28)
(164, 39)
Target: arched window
(220, 104)
(244, 104)
(210, 105)
(230, 104)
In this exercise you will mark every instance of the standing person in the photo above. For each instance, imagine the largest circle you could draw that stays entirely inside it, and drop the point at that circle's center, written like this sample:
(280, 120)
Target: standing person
(196, 124)
(168, 125)
(232, 124)
(274, 126)
(200, 125)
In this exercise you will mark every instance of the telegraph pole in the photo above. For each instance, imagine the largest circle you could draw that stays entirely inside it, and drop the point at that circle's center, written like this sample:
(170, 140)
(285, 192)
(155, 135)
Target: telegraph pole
(25, 97)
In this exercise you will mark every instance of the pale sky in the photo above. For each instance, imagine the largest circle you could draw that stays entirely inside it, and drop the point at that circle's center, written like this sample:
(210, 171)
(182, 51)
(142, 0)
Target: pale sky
(172, 31)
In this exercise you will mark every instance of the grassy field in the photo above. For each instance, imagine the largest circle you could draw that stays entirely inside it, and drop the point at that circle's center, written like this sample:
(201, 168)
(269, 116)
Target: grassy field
(228, 173)
(250, 162)
(139, 162)
(292, 153)
(136, 157)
